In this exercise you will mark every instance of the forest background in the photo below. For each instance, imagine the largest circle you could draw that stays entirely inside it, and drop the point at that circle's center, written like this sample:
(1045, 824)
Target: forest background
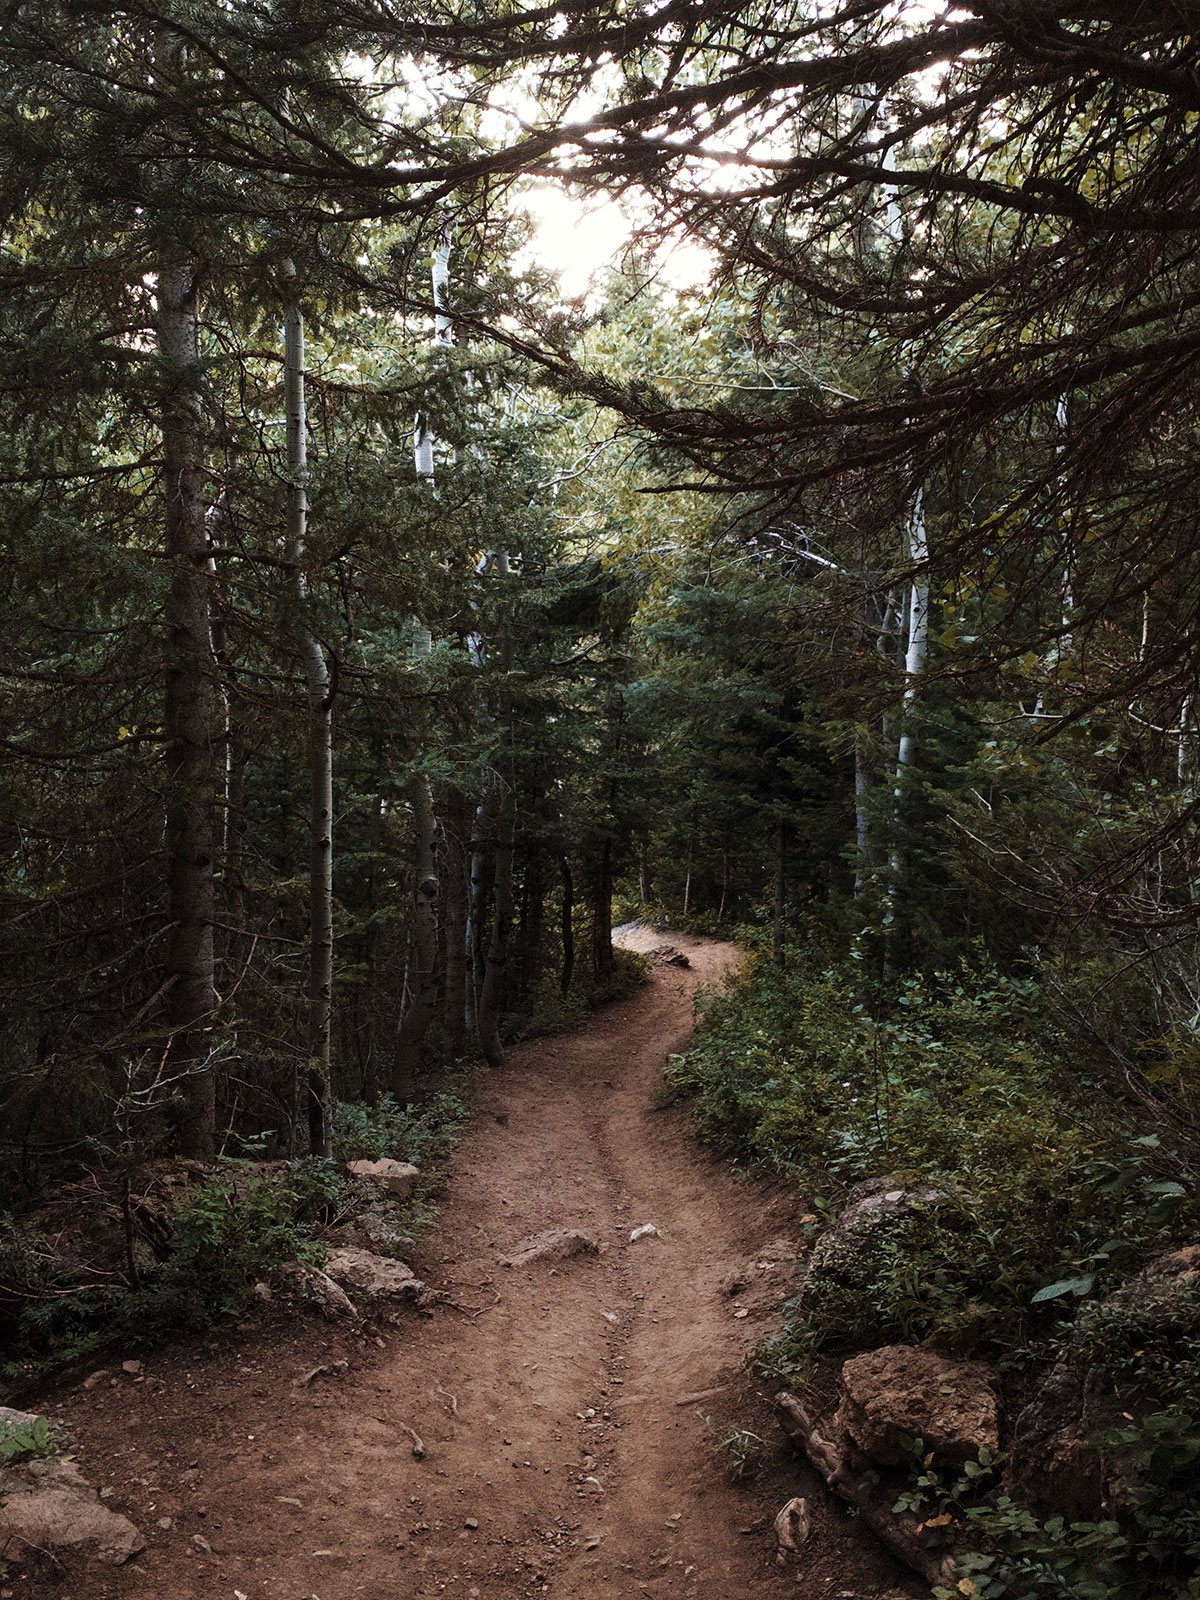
(379, 626)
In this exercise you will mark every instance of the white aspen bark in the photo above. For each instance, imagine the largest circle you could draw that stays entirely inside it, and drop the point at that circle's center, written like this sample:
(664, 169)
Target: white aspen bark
(914, 665)
(320, 742)
(918, 632)
(443, 333)
(191, 995)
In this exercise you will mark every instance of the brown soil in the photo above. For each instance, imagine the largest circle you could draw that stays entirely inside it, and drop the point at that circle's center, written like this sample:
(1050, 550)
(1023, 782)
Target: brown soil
(572, 1411)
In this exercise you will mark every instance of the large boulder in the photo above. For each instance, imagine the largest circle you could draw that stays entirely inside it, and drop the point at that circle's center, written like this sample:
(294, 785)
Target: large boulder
(398, 1178)
(47, 1504)
(1054, 1467)
(899, 1392)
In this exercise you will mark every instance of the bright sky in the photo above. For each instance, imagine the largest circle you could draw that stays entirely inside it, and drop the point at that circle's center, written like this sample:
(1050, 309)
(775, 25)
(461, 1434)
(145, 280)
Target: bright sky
(578, 239)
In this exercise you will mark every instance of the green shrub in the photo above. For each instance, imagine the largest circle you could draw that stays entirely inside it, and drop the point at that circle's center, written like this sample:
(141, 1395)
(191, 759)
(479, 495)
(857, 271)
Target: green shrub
(34, 1440)
(965, 1083)
(230, 1231)
(422, 1134)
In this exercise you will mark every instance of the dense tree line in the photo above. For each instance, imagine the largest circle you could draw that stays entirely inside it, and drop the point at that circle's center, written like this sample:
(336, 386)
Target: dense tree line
(349, 677)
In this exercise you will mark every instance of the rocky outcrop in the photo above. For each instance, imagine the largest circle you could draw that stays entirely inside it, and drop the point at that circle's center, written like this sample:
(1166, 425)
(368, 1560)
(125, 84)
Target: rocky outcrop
(369, 1231)
(49, 1505)
(889, 1395)
(299, 1281)
(398, 1178)
(899, 1392)
(1053, 1468)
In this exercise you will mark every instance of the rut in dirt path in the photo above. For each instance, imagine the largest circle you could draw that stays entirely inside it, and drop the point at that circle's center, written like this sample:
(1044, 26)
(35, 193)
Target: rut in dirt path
(562, 1404)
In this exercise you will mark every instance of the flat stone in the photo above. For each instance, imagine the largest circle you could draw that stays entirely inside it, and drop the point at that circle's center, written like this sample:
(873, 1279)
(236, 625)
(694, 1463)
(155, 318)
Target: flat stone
(399, 1178)
(555, 1244)
(49, 1505)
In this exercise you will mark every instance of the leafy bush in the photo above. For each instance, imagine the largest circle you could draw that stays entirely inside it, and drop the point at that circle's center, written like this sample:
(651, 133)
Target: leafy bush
(967, 1084)
(421, 1134)
(34, 1440)
(230, 1231)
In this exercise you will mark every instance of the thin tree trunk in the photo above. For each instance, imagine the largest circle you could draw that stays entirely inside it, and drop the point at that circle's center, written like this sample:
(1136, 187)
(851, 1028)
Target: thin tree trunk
(862, 820)
(918, 635)
(455, 925)
(492, 993)
(421, 987)
(567, 925)
(370, 1065)
(191, 996)
(320, 747)
(602, 951)
(533, 935)
(778, 952)
(479, 884)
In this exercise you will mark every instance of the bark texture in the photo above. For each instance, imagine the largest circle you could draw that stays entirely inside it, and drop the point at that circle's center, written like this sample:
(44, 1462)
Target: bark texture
(187, 710)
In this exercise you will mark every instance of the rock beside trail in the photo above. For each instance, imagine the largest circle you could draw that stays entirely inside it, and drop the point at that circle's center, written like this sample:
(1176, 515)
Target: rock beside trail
(310, 1284)
(1052, 1468)
(370, 1231)
(870, 1208)
(399, 1178)
(900, 1391)
(377, 1281)
(49, 1505)
(555, 1244)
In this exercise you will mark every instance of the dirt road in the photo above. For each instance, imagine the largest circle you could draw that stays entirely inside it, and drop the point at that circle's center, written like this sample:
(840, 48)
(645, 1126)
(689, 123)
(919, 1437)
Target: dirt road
(571, 1410)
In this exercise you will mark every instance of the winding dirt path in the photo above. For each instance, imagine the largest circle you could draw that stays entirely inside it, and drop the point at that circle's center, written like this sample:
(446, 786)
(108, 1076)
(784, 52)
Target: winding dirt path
(569, 1409)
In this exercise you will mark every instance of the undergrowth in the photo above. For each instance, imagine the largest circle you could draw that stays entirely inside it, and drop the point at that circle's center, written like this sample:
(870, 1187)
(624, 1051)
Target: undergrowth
(1041, 1198)
(225, 1233)
(966, 1084)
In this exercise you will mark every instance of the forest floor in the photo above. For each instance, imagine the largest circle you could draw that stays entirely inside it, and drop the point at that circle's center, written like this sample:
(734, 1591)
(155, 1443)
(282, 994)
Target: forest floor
(572, 1411)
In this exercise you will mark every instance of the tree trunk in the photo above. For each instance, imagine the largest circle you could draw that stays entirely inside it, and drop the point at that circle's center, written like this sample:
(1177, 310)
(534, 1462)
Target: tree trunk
(191, 997)
(862, 821)
(567, 926)
(918, 633)
(602, 950)
(458, 815)
(370, 1062)
(533, 922)
(645, 883)
(421, 987)
(778, 953)
(492, 994)
(320, 747)
(478, 886)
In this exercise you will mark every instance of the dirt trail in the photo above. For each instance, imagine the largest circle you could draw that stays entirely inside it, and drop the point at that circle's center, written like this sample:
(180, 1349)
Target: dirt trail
(567, 1452)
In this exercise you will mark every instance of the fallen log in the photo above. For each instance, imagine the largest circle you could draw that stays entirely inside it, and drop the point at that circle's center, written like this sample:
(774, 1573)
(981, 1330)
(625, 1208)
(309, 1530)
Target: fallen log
(862, 1489)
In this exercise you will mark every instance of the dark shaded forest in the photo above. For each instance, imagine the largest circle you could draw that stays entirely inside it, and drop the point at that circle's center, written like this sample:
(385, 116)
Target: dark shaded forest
(382, 627)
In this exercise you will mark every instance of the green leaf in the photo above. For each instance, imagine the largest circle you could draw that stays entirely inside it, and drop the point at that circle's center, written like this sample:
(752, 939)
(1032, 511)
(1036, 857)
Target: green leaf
(1053, 1291)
